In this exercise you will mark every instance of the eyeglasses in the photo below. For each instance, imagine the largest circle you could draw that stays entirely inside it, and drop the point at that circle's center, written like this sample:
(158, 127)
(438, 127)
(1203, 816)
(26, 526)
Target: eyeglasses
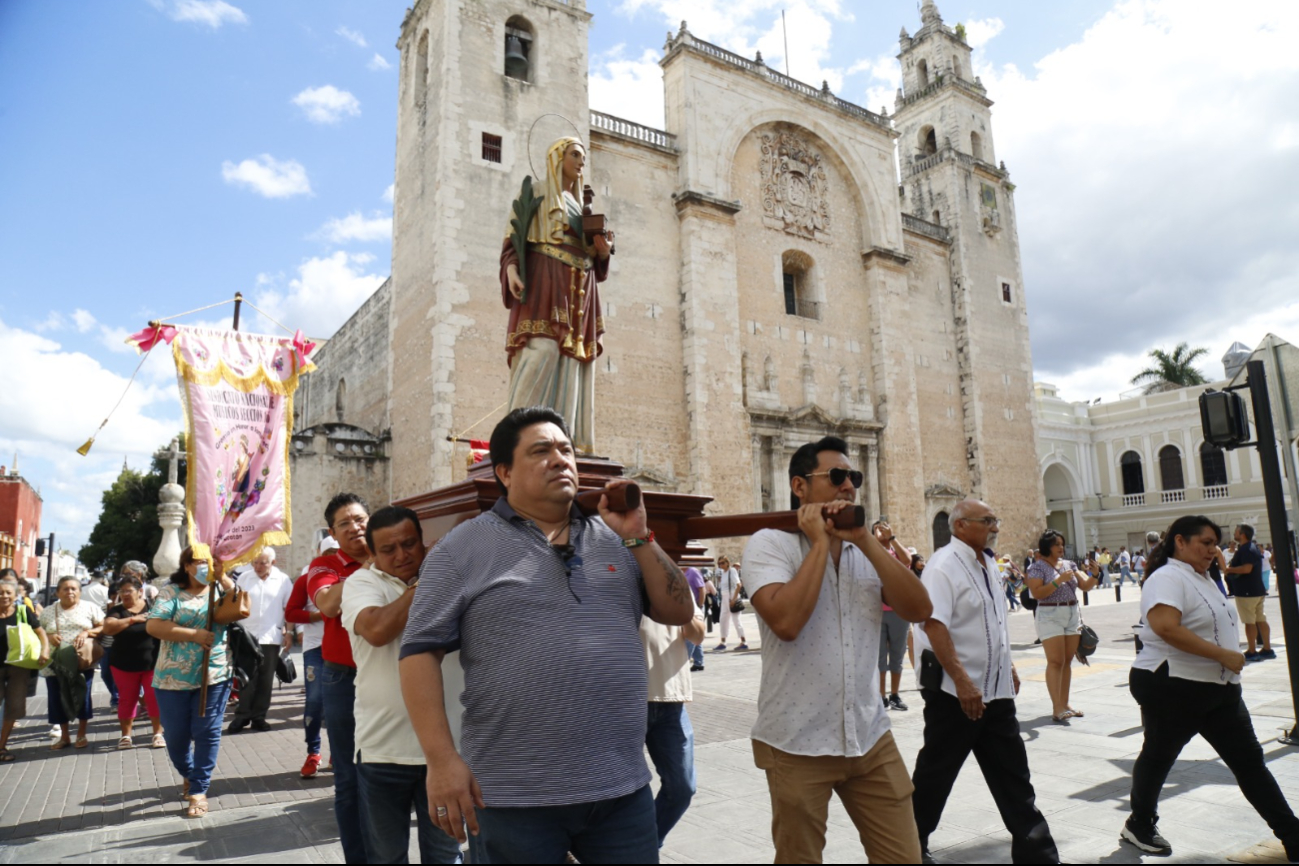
(350, 521)
(994, 522)
(839, 475)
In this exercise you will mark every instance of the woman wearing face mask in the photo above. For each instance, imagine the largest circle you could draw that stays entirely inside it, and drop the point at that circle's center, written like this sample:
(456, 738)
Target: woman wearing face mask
(70, 622)
(192, 730)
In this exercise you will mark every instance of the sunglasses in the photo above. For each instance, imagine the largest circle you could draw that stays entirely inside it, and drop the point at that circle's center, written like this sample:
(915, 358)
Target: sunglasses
(839, 476)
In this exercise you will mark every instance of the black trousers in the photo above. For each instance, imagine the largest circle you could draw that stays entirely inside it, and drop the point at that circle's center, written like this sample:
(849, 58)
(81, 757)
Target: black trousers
(255, 698)
(950, 737)
(1172, 711)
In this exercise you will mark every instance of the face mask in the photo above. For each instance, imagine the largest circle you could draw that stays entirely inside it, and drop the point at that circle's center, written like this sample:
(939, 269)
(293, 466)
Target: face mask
(202, 573)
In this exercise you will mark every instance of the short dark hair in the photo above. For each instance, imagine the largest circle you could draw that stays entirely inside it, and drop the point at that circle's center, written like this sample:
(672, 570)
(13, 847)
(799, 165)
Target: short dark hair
(806, 458)
(130, 580)
(342, 500)
(1048, 540)
(505, 435)
(1246, 530)
(1186, 527)
(390, 515)
(8, 573)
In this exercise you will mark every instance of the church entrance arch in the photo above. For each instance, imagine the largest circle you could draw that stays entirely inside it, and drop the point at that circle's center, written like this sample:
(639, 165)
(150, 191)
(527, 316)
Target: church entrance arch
(1064, 499)
(942, 530)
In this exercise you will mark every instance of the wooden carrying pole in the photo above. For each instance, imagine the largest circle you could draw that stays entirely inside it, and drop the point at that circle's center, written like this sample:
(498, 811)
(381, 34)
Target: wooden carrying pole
(207, 651)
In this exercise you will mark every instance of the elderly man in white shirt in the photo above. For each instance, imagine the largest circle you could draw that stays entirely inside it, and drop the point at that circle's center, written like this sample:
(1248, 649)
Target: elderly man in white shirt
(821, 727)
(969, 685)
(268, 591)
(389, 761)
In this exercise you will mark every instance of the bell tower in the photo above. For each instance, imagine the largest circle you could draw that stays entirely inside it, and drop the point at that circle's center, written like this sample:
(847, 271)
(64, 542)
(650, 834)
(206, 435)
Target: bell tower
(950, 176)
(475, 75)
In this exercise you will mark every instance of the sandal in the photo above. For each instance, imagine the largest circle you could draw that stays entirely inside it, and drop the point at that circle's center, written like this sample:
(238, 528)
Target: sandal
(158, 742)
(184, 791)
(1062, 719)
(1078, 714)
(82, 742)
(125, 743)
(61, 743)
(6, 756)
(197, 806)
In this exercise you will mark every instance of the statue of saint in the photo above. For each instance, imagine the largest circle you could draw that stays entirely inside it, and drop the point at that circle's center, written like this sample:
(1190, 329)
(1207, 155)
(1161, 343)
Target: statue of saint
(553, 297)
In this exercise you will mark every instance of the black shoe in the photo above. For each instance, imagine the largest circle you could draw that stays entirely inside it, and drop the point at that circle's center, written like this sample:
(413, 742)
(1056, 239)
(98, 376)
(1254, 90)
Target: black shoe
(236, 726)
(1263, 655)
(1145, 835)
(926, 857)
(261, 725)
(694, 668)
(895, 702)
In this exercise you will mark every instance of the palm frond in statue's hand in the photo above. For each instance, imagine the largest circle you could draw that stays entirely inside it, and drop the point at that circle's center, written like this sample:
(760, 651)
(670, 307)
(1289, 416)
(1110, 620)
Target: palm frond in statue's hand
(524, 208)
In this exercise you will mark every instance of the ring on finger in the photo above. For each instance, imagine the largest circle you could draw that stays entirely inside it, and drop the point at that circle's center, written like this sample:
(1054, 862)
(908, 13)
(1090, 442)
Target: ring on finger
(441, 811)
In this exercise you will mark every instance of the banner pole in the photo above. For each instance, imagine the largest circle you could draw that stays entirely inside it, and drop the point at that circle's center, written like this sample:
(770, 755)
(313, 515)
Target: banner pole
(239, 300)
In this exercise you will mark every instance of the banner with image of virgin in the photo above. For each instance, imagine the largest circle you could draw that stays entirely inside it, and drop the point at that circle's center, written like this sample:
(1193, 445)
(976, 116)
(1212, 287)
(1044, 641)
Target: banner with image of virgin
(237, 392)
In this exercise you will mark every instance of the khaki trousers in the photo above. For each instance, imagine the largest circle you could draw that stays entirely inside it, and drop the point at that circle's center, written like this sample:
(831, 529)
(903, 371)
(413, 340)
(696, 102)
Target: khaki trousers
(875, 789)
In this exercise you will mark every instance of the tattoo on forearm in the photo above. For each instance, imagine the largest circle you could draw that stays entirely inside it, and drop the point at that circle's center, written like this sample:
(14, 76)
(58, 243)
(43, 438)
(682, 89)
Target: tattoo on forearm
(678, 588)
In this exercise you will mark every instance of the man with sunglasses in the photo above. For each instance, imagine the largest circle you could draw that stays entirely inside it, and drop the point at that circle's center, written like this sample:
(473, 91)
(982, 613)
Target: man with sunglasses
(969, 685)
(545, 606)
(821, 728)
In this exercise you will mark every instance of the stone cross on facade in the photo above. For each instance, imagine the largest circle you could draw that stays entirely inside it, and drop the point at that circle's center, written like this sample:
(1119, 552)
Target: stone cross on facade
(171, 514)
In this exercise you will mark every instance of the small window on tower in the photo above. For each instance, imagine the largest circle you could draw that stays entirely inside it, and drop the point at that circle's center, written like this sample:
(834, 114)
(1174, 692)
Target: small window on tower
(1005, 293)
(491, 147)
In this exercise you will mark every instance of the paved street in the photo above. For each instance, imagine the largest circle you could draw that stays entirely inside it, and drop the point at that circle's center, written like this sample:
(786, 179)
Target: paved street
(102, 805)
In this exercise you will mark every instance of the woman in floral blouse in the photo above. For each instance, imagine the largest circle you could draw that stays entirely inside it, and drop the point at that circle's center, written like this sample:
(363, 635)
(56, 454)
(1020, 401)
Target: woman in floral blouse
(179, 618)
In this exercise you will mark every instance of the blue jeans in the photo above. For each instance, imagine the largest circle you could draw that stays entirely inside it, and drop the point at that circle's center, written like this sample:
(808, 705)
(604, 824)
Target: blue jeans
(106, 673)
(313, 715)
(193, 741)
(1125, 574)
(339, 694)
(390, 791)
(55, 704)
(621, 830)
(695, 652)
(670, 740)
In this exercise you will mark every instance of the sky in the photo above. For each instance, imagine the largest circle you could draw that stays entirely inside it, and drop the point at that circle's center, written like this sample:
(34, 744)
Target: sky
(160, 155)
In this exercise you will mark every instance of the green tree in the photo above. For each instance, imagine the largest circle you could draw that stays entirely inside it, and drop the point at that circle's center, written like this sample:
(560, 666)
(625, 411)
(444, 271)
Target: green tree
(128, 520)
(1172, 371)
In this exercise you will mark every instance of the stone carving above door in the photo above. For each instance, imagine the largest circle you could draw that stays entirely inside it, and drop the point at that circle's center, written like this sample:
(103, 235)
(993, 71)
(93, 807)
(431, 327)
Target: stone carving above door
(794, 185)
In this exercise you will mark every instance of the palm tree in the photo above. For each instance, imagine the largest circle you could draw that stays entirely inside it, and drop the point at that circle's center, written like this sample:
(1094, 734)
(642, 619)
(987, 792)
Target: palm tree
(1171, 372)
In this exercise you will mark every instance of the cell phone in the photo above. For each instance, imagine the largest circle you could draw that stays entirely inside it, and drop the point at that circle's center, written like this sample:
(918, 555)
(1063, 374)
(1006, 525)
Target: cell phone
(931, 671)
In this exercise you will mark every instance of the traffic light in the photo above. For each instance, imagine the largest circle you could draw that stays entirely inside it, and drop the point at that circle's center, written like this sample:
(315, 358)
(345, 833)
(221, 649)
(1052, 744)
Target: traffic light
(1224, 419)
(40, 547)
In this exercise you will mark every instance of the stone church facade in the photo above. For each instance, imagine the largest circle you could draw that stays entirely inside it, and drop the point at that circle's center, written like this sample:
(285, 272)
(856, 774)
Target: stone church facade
(788, 265)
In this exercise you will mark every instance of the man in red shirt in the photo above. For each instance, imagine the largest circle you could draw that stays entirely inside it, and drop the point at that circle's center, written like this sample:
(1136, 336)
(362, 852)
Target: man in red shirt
(300, 611)
(346, 516)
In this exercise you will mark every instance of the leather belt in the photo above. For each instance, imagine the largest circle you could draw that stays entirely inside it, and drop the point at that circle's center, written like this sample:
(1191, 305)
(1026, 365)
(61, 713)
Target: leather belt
(1039, 604)
(335, 666)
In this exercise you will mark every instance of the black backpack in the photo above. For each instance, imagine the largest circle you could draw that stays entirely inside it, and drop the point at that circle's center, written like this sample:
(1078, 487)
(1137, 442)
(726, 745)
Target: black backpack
(245, 654)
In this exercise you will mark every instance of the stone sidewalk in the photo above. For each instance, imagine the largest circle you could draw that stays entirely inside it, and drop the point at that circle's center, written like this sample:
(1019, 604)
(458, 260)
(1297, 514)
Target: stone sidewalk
(102, 805)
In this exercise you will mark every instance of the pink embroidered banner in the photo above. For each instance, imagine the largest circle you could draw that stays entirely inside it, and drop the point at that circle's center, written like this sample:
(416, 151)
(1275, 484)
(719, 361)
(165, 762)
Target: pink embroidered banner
(237, 391)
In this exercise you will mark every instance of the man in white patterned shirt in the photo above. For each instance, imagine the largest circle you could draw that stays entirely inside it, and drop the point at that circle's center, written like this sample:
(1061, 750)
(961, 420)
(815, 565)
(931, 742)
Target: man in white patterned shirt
(821, 727)
(969, 685)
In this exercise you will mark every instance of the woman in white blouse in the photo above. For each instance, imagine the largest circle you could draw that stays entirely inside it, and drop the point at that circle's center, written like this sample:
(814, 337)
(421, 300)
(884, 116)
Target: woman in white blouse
(1187, 680)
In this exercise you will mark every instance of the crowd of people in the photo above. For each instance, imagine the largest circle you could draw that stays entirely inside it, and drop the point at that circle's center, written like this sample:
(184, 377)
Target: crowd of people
(503, 686)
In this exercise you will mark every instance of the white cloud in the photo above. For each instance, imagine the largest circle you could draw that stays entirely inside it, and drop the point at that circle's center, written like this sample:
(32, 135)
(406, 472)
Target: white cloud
(378, 63)
(54, 400)
(630, 89)
(84, 320)
(979, 32)
(327, 104)
(387, 193)
(757, 26)
(210, 13)
(1147, 162)
(352, 36)
(355, 227)
(324, 294)
(268, 176)
(884, 77)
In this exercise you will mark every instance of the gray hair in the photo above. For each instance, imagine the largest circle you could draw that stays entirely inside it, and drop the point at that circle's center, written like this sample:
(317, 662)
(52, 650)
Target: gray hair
(1152, 538)
(961, 511)
(65, 578)
(9, 581)
(136, 568)
(269, 553)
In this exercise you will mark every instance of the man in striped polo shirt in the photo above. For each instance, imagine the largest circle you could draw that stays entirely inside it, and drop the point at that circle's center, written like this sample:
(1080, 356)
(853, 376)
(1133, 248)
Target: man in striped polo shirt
(545, 606)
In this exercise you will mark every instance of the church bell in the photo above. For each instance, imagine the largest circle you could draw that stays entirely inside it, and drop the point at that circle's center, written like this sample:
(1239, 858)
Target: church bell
(516, 61)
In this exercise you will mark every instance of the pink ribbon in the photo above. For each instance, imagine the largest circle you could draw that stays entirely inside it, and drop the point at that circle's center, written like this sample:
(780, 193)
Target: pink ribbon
(149, 337)
(301, 347)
